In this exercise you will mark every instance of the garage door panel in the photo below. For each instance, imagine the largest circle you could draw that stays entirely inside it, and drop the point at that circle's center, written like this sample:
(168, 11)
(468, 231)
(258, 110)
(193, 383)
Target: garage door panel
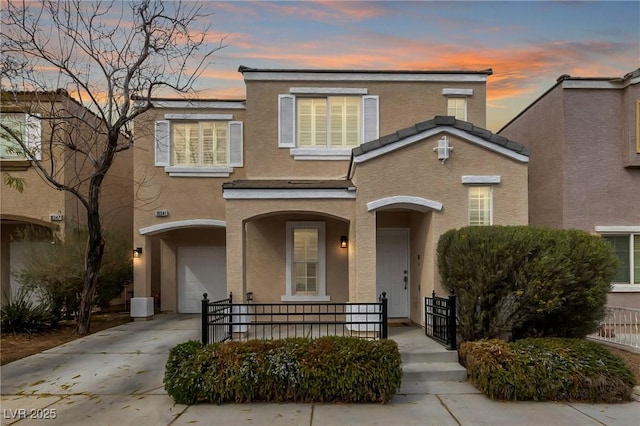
(200, 270)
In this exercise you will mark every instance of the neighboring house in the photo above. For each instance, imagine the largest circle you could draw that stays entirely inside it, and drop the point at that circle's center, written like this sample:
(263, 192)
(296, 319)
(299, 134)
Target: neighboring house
(323, 185)
(584, 137)
(40, 206)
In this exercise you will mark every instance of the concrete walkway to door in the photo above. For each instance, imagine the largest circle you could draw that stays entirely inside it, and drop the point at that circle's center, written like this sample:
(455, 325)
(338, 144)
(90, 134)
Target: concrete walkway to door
(114, 377)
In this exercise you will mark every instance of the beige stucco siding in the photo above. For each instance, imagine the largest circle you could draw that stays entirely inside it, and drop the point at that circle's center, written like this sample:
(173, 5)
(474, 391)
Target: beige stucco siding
(415, 171)
(401, 104)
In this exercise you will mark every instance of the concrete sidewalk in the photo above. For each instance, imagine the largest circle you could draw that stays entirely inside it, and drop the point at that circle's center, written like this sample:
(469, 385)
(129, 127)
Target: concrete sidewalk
(114, 377)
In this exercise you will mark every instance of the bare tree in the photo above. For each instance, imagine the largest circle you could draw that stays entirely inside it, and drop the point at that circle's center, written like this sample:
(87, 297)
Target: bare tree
(112, 58)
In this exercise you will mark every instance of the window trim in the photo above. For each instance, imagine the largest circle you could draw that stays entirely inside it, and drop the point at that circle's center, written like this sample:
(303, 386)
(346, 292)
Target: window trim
(291, 295)
(490, 203)
(633, 232)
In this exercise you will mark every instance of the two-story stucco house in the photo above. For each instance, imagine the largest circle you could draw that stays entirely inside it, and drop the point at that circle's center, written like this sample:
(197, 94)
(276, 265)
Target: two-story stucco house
(46, 120)
(323, 185)
(584, 137)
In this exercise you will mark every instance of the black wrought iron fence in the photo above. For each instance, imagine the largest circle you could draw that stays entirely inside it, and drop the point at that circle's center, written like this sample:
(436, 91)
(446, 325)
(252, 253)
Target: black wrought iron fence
(440, 319)
(224, 320)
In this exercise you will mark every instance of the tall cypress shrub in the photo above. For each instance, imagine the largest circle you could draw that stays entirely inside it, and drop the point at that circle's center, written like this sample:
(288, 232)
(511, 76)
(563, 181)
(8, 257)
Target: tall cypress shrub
(515, 281)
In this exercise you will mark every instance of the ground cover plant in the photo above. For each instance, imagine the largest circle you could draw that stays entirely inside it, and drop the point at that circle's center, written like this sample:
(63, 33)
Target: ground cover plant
(547, 369)
(326, 369)
(22, 314)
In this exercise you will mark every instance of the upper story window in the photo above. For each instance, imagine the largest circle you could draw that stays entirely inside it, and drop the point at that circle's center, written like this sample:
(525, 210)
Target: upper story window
(457, 102)
(457, 107)
(198, 145)
(331, 122)
(23, 126)
(326, 123)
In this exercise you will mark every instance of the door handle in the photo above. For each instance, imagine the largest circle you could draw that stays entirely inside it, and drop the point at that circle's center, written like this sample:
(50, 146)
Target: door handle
(406, 279)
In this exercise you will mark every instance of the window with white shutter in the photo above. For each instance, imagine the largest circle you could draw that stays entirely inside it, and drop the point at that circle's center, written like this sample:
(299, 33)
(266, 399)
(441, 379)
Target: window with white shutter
(315, 124)
(199, 148)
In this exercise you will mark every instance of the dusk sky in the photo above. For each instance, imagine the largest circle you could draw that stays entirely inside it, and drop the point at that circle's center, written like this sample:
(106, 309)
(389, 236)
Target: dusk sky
(527, 44)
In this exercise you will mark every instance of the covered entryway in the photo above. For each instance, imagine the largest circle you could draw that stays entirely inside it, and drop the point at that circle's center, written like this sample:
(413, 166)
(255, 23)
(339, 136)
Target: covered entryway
(392, 269)
(201, 269)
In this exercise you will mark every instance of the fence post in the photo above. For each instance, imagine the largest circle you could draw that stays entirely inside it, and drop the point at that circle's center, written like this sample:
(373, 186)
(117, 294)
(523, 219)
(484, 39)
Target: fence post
(205, 319)
(231, 315)
(452, 321)
(384, 325)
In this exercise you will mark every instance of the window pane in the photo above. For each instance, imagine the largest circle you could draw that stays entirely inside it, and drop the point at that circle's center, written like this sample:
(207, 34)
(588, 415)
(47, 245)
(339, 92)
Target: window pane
(305, 259)
(636, 258)
(9, 148)
(457, 107)
(312, 122)
(345, 121)
(200, 143)
(208, 143)
(479, 205)
(620, 244)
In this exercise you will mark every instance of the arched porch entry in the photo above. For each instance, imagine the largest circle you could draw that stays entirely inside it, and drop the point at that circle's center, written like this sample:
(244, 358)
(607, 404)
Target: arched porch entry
(296, 256)
(181, 260)
(405, 252)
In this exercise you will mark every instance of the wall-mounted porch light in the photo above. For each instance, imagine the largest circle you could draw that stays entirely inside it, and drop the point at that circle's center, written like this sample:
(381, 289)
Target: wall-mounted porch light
(344, 241)
(137, 252)
(443, 149)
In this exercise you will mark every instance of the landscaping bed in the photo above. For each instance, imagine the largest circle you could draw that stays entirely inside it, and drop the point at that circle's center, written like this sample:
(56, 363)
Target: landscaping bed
(326, 369)
(21, 345)
(543, 369)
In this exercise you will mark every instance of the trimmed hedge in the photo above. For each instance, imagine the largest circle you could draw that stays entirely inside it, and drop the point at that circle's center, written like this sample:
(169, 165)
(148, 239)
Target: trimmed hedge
(326, 369)
(543, 369)
(521, 281)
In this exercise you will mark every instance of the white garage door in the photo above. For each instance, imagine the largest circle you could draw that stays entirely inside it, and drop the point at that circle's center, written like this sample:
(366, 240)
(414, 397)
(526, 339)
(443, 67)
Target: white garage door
(200, 270)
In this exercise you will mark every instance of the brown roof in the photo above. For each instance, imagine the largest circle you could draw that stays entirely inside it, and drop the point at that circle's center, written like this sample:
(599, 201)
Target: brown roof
(439, 121)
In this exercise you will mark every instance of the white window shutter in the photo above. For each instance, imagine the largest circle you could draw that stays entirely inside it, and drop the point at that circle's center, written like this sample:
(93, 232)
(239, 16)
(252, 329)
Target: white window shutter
(235, 143)
(33, 135)
(370, 126)
(286, 121)
(163, 144)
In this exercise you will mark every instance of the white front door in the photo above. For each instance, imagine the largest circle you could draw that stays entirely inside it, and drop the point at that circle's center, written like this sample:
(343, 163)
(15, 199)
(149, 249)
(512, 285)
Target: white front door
(200, 270)
(392, 269)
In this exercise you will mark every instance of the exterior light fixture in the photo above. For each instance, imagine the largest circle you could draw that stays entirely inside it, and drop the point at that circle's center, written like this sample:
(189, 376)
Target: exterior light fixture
(344, 241)
(137, 252)
(443, 149)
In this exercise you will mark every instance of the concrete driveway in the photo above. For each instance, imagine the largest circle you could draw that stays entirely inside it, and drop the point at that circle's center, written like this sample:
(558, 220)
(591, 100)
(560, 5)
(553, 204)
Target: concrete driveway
(114, 377)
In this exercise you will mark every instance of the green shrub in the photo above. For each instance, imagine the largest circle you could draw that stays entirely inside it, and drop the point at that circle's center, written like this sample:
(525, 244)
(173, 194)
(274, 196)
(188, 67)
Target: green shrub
(546, 369)
(57, 271)
(326, 369)
(519, 281)
(22, 315)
